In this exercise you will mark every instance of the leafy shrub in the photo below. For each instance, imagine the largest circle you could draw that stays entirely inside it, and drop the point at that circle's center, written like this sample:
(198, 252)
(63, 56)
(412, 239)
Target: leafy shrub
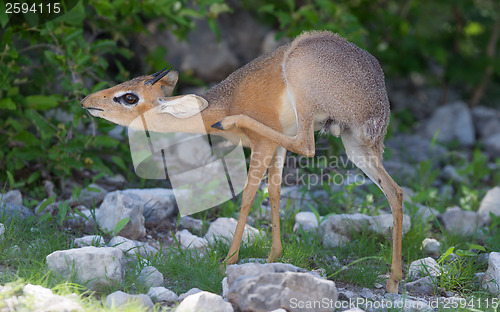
(48, 69)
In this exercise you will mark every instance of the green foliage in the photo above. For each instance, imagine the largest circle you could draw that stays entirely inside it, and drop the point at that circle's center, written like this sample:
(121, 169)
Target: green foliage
(45, 71)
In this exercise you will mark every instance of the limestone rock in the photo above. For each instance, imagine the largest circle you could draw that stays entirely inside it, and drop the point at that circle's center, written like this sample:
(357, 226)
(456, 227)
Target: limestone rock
(423, 267)
(119, 205)
(460, 221)
(159, 204)
(491, 280)
(92, 265)
(12, 197)
(490, 204)
(452, 122)
(223, 228)
(188, 240)
(306, 221)
(150, 276)
(119, 298)
(204, 302)
(90, 240)
(162, 294)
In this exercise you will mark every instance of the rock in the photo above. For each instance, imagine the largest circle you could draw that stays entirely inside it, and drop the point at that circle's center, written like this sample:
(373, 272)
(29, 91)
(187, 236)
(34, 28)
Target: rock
(491, 280)
(39, 299)
(408, 195)
(162, 294)
(383, 224)
(344, 224)
(265, 287)
(490, 204)
(90, 195)
(190, 292)
(188, 240)
(492, 144)
(486, 121)
(423, 267)
(223, 228)
(306, 221)
(92, 265)
(411, 149)
(191, 224)
(2, 230)
(119, 298)
(12, 197)
(422, 286)
(453, 122)
(204, 302)
(117, 206)
(150, 277)
(333, 240)
(431, 247)
(366, 293)
(159, 204)
(12, 211)
(115, 182)
(90, 240)
(132, 247)
(460, 221)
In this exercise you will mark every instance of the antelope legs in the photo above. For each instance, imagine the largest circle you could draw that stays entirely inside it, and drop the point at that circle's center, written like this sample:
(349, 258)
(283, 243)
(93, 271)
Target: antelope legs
(274, 188)
(302, 143)
(262, 152)
(368, 159)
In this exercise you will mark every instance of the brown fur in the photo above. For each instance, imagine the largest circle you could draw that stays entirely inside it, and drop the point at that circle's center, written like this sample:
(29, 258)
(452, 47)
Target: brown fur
(275, 103)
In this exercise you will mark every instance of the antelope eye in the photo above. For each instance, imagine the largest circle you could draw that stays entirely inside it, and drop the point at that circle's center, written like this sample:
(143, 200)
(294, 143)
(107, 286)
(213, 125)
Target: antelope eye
(130, 98)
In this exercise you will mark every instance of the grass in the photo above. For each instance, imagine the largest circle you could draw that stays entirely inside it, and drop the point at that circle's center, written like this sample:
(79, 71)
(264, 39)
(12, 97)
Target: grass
(362, 262)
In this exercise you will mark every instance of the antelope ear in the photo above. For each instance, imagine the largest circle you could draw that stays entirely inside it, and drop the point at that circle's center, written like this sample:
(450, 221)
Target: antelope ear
(168, 82)
(182, 106)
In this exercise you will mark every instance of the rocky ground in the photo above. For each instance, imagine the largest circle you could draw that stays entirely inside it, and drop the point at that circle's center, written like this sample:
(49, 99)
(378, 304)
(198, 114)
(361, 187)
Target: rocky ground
(267, 287)
(99, 261)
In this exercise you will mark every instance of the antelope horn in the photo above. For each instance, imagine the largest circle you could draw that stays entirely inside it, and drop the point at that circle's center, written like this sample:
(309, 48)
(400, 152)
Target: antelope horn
(157, 76)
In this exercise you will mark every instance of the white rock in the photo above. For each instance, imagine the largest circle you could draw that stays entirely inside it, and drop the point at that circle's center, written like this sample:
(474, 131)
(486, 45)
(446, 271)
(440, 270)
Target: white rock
(132, 247)
(223, 228)
(191, 223)
(383, 224)
(119, 205)
(306, 221)
(90, 240)
(267, 291)
(190, 292)
(162, 294)
(461, 222)
(119, 298)
(42, 299)
(425, 213)
(188, 240)
(13, 197)
(422, 286)
(204, 302)
(159, 204)
(150, 276)
(92, 265)
(490, 204)
(225, 287)
(453, 122)
(2, 230)
(491, 280)
(431, 246)
(423, 267)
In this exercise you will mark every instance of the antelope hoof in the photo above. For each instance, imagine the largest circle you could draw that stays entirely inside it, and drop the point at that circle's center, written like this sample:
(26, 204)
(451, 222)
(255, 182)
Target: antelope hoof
(218, 125)
(392, 285)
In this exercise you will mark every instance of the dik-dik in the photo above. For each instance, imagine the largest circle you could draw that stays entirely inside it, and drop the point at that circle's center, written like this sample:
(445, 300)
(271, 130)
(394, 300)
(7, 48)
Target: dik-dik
(274, 104)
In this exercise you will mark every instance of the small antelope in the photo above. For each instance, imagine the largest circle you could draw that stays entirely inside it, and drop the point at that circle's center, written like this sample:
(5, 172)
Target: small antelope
(274, 104)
